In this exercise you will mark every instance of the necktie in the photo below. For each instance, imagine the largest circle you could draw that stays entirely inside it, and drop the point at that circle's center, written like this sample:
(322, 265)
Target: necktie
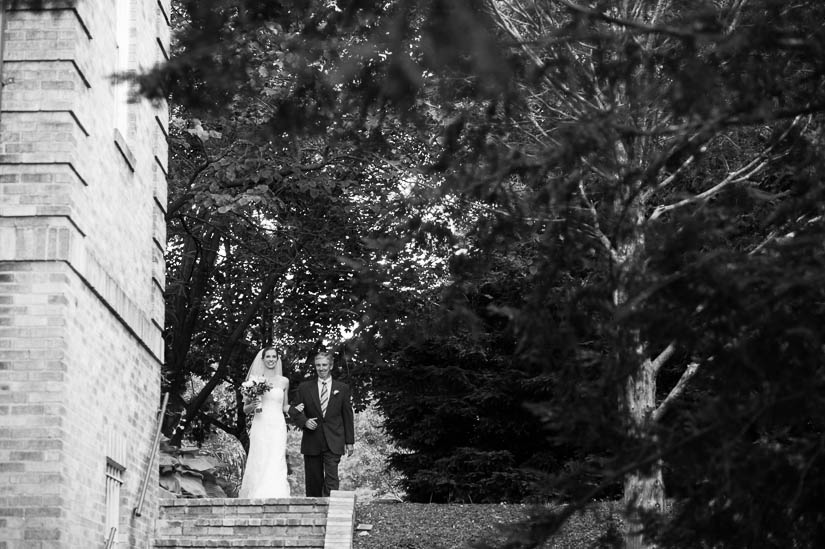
(324, 398)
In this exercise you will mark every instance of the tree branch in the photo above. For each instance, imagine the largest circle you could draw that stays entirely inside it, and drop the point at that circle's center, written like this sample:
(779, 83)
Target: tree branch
(608, 246)
(199, 400)
(676, 392)
(768, 239)
(217, 423)
(566, 94)
(663, 357)
(782, 114)
(736, 176)
(669, 179)
(630, 24)
(742, 174)
(186, 197)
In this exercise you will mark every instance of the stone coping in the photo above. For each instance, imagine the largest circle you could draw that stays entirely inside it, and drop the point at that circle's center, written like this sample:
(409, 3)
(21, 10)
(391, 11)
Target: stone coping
(248, 521)
(233, 502)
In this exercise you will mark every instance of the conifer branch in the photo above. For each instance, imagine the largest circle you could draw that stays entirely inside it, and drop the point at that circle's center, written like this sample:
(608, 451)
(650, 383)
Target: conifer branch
(676, 392)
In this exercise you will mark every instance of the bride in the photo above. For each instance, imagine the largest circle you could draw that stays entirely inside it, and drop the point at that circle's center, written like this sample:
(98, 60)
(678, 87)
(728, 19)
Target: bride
(265, 475)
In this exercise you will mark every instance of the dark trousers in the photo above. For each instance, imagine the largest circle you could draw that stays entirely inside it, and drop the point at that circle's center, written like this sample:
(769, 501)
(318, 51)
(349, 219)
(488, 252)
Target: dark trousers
(321, 473)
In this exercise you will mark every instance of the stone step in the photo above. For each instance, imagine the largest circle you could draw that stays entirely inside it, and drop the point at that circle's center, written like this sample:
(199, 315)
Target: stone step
(283, 543)
(230, 507)
(293, 523)
(229, 527)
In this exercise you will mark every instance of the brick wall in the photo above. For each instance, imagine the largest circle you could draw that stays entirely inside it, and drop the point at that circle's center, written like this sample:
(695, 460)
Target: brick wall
(81, 273)
(294, 523)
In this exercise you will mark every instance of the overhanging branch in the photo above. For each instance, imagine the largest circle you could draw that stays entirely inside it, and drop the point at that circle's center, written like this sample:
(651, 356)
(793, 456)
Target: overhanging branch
(631, 24)
(747, 171)
(676, 392)
(663, 357)
(597, 230)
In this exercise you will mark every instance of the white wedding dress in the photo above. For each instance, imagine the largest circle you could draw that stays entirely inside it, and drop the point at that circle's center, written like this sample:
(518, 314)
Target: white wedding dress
(265, 473)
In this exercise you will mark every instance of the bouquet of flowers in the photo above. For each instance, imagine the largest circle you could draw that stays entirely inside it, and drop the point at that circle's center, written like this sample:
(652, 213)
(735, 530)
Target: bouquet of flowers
(255, 387)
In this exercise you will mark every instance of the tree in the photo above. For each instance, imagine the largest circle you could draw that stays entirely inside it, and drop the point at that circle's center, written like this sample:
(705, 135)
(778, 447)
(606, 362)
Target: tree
(615, 172)
(255, 240)
(259, 221)
(452, 391)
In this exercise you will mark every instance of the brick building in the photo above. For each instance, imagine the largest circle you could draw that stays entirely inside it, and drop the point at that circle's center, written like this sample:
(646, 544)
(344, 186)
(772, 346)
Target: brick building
(82, 234)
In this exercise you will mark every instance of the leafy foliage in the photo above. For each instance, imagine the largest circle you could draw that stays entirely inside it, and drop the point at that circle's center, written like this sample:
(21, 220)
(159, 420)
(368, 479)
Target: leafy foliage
(368, 471)
(453, 396)
(185, 473)
(259, 225)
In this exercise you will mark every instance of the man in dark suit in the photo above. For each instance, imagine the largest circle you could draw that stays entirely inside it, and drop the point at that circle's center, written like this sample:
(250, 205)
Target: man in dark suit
(327, 423)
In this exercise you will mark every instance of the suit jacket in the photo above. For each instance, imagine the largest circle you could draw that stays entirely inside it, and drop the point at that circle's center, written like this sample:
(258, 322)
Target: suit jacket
(337, 426)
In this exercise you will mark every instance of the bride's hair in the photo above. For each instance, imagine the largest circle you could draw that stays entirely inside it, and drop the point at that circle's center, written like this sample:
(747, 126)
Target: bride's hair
(257, 367)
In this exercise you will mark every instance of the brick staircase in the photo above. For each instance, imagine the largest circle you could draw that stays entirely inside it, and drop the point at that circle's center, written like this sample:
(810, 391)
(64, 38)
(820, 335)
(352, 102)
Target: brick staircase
(293, 523)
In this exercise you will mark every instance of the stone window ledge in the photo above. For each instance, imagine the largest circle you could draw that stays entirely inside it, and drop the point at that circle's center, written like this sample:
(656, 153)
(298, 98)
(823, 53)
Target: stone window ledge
(125, 151)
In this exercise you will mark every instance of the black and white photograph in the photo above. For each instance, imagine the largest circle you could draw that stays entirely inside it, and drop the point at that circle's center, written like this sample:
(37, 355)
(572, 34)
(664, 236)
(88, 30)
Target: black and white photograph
(412, 274)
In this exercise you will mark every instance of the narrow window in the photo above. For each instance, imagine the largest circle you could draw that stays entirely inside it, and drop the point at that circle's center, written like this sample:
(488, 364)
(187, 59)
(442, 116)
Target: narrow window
(115, 458)
(114, 480)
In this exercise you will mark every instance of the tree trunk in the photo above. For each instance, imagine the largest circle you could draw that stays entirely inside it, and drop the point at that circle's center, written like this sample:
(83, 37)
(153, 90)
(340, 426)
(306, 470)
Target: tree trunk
(227, 352)
(644, 490)
(183, 311)
(198, 264)
(644, 487)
